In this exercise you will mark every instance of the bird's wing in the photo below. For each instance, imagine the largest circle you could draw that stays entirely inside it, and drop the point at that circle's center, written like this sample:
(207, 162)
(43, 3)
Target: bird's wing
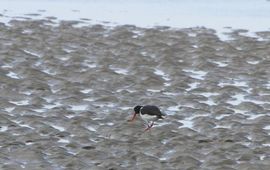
(151, 110)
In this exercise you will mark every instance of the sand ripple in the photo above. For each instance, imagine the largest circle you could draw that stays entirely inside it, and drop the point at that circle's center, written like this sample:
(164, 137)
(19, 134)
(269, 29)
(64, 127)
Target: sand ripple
(67, 92)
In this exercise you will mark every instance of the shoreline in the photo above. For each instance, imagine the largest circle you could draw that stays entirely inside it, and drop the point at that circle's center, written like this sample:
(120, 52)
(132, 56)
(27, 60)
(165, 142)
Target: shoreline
(224, 34)
(176, 14)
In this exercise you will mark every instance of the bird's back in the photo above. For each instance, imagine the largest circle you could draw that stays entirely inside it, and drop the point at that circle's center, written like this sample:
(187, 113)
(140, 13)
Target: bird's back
(151, 110)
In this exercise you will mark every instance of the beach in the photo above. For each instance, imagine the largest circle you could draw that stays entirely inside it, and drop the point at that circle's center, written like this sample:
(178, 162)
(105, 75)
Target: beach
(68, 88)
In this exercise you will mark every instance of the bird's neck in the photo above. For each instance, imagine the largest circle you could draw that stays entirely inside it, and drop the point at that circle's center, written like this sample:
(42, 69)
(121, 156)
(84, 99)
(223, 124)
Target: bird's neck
(140, 112)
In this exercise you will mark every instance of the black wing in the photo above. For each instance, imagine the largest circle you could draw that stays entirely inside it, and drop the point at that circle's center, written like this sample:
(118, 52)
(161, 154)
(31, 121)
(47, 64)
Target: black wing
(152, 110)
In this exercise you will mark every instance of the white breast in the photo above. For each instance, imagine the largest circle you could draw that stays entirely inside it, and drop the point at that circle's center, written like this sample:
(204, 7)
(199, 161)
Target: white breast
(148, 118)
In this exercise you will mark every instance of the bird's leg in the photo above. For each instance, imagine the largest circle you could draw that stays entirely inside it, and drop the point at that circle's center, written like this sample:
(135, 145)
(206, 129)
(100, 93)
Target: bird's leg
(149, 127)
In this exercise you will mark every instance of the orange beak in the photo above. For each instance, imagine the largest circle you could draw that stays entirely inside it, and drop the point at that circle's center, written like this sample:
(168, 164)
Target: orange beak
(133, 117)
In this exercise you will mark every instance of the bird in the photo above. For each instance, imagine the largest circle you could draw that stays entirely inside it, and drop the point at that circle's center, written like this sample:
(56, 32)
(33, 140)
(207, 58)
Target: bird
(148, 113)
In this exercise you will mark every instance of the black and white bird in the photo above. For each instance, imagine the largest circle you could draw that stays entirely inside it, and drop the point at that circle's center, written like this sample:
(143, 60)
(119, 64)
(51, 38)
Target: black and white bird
(148, 113)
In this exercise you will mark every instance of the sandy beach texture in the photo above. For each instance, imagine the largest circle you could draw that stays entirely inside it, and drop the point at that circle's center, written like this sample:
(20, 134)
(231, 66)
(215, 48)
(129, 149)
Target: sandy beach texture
(67, 93)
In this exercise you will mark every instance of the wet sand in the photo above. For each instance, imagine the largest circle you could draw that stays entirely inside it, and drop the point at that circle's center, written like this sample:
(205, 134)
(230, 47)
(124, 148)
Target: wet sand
(67, 93)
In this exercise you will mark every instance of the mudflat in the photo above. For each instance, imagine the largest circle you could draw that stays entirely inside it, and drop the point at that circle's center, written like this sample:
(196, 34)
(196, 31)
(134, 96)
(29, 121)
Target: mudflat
(67, 93)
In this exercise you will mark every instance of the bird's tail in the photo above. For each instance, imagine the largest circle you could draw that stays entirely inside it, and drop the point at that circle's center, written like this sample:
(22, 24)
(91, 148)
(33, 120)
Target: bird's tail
(162, 116)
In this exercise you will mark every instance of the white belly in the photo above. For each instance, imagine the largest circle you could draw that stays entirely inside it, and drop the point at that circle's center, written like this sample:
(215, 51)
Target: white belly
(148, 118)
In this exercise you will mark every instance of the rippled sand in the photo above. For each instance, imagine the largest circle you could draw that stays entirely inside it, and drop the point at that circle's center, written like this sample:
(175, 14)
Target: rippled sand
(67, 93)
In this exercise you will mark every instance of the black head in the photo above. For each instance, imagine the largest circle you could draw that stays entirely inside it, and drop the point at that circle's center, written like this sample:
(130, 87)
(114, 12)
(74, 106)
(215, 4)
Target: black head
(137, 109)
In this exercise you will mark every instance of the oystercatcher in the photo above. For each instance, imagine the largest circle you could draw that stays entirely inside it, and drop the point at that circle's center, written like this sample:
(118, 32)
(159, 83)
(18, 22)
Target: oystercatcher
(149, 115)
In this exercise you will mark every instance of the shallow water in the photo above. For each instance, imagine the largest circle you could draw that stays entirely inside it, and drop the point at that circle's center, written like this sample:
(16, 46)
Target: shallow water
(67, 93)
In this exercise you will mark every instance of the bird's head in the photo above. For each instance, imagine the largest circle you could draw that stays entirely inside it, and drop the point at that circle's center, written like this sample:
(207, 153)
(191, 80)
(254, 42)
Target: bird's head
(136, 111)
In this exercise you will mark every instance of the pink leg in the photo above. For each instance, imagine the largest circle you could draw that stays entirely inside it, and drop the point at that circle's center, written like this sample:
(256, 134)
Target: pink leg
(149, 127)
